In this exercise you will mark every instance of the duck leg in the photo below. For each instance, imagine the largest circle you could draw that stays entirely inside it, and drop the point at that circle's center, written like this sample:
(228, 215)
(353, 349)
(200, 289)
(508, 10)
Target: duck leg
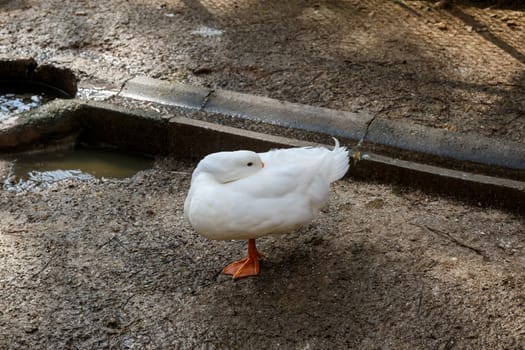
(246, 267)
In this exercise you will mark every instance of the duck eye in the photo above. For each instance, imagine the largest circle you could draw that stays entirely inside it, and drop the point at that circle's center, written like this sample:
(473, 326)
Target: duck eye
(249, 164)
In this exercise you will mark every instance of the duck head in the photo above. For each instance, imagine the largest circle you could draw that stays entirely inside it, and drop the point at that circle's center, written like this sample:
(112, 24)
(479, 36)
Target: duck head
(226, 167)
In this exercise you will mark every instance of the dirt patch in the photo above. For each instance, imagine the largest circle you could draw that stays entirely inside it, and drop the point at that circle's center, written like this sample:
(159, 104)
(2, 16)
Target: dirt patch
(113, 264)
(458, 67)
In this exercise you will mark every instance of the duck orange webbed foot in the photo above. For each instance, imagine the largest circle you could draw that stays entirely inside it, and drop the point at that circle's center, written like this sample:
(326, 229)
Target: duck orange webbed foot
(246, 267)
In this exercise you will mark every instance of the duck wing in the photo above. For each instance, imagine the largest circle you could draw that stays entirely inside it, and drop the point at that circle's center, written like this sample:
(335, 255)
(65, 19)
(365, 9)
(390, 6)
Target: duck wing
(294, 181)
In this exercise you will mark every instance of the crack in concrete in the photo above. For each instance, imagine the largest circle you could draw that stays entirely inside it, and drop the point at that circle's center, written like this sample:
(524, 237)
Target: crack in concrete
(206, 99)
(365, 134)
(122, 86)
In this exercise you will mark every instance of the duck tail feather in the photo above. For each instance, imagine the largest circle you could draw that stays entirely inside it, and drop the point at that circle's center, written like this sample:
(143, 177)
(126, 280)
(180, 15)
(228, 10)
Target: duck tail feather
(340, 161)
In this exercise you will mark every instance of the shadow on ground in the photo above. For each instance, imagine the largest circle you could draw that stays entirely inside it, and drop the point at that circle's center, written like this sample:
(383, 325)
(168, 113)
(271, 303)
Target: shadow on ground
(440, 68)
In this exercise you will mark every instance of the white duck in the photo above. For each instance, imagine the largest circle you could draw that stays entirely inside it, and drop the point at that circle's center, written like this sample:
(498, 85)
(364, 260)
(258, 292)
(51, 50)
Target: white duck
(246, 195)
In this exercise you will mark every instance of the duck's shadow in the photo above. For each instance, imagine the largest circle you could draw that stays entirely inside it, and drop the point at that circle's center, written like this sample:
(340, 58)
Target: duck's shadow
(306, 295)
(328, 293)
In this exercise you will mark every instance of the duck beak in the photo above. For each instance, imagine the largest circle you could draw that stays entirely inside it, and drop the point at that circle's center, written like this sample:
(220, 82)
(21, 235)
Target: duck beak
(262, 164)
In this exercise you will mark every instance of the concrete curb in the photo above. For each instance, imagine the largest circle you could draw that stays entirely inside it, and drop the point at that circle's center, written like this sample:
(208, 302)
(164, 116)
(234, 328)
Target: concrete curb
(173, 94)
(372, 130)
(327, 121)
(438, 142)
(64, 123)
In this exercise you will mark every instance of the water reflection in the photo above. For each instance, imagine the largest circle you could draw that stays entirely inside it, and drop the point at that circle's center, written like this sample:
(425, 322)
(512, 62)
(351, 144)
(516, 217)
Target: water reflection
(11, 103)
(39, 170)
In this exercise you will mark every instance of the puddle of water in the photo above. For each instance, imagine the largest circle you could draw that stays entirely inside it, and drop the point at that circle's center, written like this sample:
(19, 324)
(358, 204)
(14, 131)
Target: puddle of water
(96, 162)
(14, 103)
(81, 164)
(95, 94)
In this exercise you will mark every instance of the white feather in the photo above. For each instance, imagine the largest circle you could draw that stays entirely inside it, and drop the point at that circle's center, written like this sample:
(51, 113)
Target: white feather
(230, 200)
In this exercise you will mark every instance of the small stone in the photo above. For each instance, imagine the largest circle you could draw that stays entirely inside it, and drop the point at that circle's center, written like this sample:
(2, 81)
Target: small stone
(441, 26)
(377, 203)
(31, 329)
(80, 13)
(443, 4)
